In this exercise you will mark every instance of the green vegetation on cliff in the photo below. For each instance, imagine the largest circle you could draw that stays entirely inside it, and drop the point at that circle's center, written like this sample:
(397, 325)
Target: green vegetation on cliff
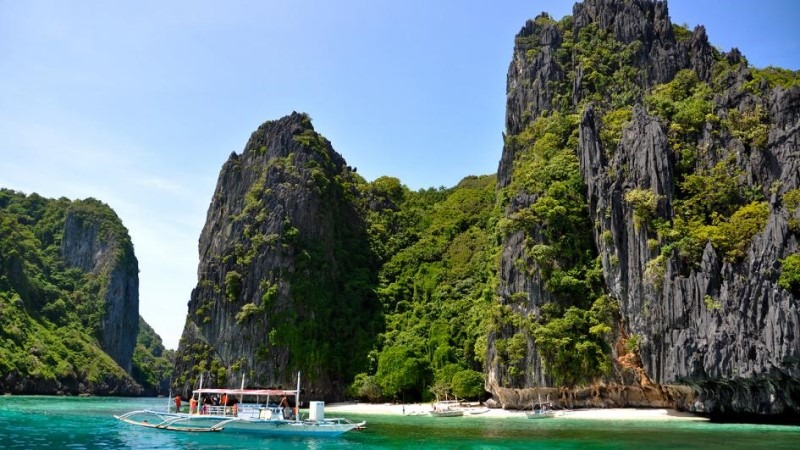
(333, 281)
(436, 286)
(624, 163)
(152, 363)
(566, 320)
(51, 313)
(292, 277)
(571, 330)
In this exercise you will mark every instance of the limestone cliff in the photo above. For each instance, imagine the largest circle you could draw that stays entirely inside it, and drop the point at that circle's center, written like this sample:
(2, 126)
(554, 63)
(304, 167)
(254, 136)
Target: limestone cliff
(697, 308)
(285, 276)
(92, 247)
(69, 297)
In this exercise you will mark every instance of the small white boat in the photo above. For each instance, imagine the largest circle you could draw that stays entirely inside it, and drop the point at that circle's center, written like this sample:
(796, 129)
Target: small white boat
(448, 413)
(544, 411)
(249, 411)
(447, 408)
(541, 414)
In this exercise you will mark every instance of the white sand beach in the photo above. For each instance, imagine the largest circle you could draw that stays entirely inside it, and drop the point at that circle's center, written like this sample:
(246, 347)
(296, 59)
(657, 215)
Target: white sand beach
(583, 414)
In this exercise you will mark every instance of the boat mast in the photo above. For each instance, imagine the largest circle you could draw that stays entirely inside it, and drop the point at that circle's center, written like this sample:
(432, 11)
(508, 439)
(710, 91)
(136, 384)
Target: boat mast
(242, 395)
(297, 400)
(198, 388)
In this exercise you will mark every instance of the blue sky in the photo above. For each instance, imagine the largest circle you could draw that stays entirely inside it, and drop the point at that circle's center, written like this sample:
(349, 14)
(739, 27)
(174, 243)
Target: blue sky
(139, 103)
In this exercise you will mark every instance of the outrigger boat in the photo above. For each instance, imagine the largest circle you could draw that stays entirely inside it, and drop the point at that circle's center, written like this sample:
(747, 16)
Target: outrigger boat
(454, 408)
(446, 408)
(544, 411)
(250, 412)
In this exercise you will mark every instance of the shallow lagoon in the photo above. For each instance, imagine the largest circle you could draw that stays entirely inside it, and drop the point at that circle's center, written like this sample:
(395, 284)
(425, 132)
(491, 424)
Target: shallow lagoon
(77, 423)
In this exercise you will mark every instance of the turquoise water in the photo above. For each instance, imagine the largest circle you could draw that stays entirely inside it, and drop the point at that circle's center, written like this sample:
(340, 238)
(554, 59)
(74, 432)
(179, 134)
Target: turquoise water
(31, 422)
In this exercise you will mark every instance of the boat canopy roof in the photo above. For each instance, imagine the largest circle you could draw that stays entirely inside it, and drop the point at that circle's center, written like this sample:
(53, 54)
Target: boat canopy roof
(258, 392)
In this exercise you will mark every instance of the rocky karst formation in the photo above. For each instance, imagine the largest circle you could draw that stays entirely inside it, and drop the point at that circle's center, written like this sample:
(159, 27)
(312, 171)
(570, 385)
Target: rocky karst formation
(538, 73)
(69, 298)
(86, 245)
(649, 194)
(718, 322)
(285, 276)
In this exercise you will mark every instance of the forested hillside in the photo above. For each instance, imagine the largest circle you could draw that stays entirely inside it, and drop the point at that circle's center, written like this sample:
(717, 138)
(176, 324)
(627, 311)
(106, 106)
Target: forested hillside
(69, 301)
(436, 288)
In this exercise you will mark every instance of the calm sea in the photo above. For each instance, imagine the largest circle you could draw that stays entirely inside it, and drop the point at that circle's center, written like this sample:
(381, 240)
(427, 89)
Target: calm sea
(31, 422)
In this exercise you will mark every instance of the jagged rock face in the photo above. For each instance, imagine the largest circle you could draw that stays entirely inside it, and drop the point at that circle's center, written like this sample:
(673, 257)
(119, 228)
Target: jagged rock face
(536, 77)
(280, 249)
(88, 247)
(529, 80)
(528, 85)
(514, 279)
(532, 82)
(740, 351)
(644, 151)
(647, 21)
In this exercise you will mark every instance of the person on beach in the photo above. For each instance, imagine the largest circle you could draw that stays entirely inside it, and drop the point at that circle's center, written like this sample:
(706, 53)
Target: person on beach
(177, 403)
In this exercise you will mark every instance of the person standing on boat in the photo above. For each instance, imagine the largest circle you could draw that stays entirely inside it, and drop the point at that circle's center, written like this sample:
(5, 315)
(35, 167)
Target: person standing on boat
(285, 407)
(223, 401)
(192, 405)
(177, 403)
